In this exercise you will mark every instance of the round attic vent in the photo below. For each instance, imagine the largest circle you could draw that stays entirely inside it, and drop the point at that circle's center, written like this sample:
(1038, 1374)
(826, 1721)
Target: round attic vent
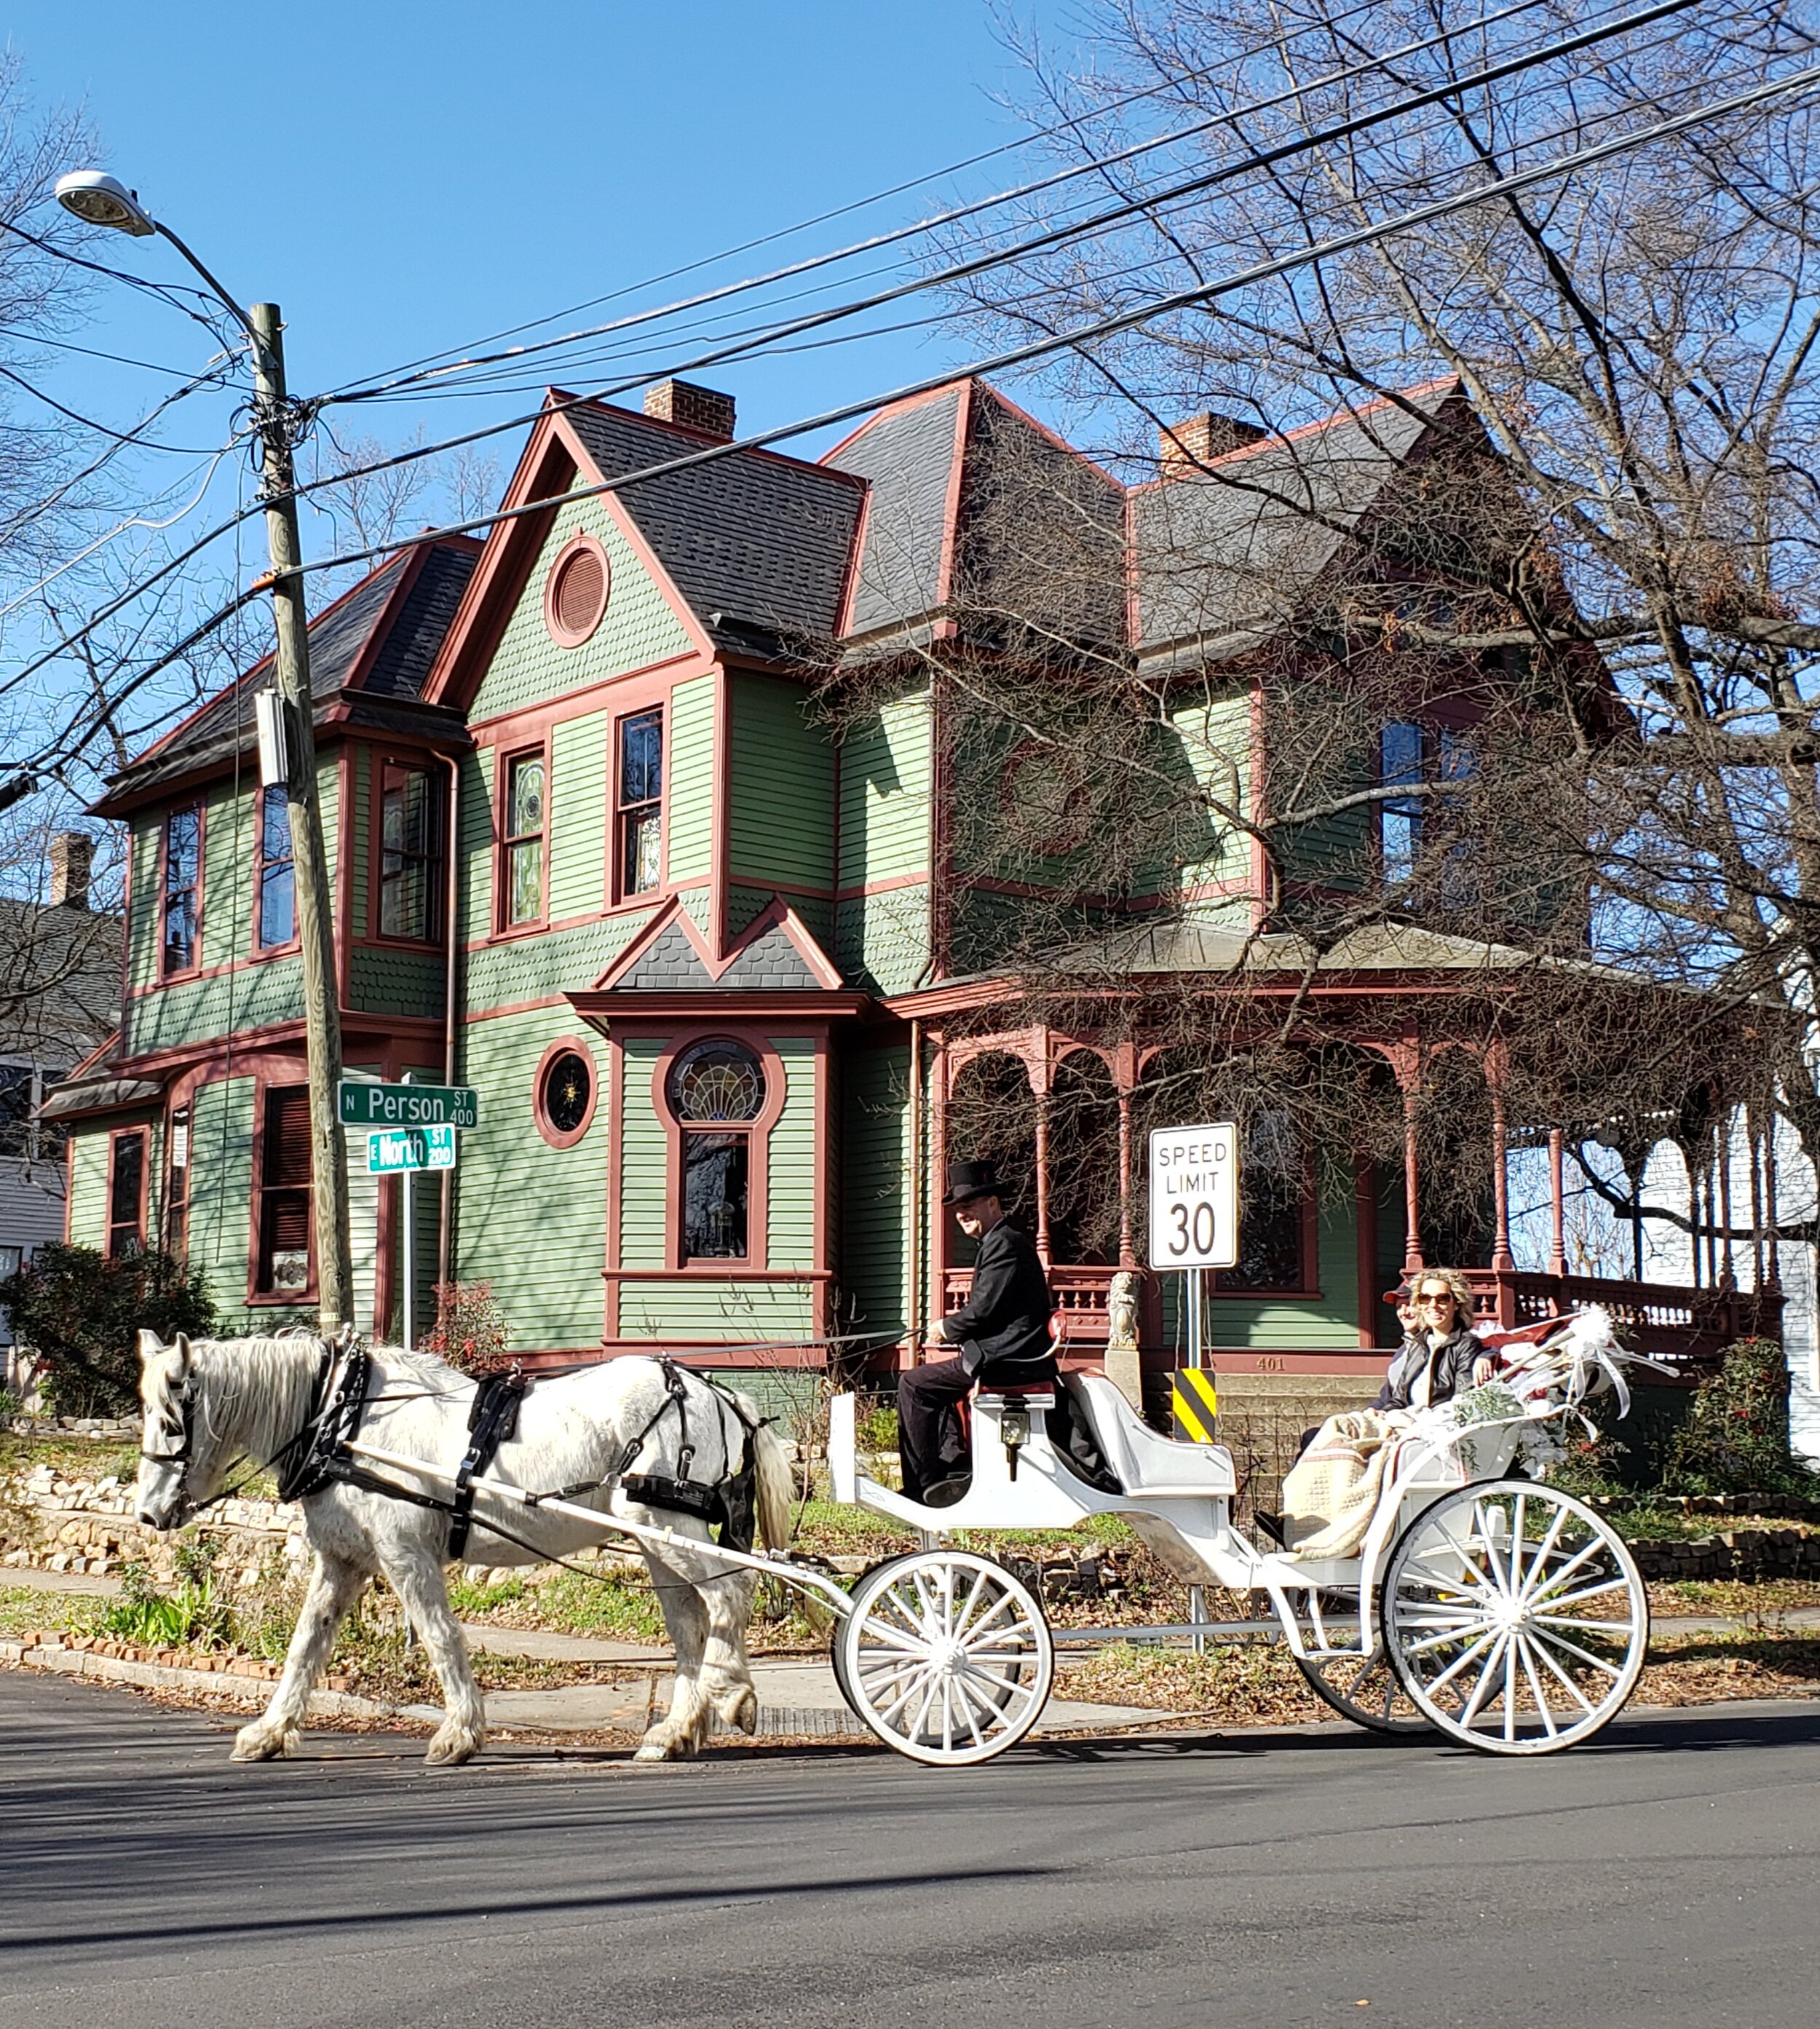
(575, 593)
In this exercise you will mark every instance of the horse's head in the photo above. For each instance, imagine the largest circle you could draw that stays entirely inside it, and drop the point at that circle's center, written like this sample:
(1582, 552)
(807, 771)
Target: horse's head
(179, 1466)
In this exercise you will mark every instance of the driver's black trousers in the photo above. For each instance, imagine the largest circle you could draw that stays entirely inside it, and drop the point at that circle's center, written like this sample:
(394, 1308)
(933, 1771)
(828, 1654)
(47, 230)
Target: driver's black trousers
(932, 1445)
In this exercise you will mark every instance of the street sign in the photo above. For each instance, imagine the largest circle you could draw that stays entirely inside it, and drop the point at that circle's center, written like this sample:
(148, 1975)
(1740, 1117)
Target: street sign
(1194, 1197)
(364, 1105)
(410, 1149)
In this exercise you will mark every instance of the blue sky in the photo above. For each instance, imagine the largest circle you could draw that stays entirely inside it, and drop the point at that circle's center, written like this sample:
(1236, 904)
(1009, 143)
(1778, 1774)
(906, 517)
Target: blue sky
(412, 177)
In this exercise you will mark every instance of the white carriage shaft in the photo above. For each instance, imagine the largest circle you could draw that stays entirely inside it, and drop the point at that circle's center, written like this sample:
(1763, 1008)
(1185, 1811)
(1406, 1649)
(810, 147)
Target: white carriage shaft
(1194, 1197)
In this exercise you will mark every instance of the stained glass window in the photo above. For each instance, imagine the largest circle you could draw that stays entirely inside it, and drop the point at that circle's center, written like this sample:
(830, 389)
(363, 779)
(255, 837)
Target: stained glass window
(717, 1081)
(525, 840)
(568, 1087)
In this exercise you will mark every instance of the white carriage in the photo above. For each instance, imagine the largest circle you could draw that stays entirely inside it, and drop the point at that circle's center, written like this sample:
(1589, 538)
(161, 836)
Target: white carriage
(1503, 1611)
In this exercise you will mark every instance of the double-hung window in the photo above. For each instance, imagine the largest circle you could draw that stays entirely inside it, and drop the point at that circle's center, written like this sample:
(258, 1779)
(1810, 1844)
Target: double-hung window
(1402, 758)
(410, 854)
(182, 869)
(277, 870)
(639, 804)
(526, 812)
(126, 1194)
(285, 1205)
(16, 1098)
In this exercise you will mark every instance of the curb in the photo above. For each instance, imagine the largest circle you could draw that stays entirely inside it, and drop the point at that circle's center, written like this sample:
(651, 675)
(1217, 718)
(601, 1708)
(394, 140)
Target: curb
(243, 1688)
(239, 1687)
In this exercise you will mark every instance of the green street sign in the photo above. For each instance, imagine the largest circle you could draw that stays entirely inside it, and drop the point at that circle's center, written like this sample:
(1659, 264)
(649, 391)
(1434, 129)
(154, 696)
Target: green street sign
(364, 1105)
(410, 1149)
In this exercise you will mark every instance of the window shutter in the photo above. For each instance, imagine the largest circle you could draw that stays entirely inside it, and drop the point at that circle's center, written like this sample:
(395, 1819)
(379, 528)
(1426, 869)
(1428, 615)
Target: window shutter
(287, 1136)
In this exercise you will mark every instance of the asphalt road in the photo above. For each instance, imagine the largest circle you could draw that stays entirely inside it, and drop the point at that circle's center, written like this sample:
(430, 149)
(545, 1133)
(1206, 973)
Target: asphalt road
(1665, 1876)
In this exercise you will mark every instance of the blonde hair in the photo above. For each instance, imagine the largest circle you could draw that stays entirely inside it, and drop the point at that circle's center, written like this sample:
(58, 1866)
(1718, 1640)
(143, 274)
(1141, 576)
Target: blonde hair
(1455, 1279)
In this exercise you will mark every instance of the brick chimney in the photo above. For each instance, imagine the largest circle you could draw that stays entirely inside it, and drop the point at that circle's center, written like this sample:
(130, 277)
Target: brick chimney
(1198, 440)
(700, 408)
(71, 854)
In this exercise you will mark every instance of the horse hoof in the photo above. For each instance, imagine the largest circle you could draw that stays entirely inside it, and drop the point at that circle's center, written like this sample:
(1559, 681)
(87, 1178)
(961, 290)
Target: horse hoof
(260, 1742)
(666, 1749)
(741, 1710)
(452, 1746)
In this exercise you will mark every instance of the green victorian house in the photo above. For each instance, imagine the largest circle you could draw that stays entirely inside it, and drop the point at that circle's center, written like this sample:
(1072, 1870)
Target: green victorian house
(719, 964)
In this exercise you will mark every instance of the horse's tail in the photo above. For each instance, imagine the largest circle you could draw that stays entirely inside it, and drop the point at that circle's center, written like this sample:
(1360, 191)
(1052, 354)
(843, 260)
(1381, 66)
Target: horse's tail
(776, 1490)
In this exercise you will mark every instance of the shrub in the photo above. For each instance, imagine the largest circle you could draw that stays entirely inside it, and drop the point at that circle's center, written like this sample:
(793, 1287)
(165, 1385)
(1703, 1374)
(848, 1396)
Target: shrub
(471, 1332)
(1736, 1437)
(81, 1312)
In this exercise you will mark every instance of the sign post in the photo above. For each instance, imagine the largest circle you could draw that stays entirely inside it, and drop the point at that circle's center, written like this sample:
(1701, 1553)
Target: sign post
(412, 1127)
(1193, 1226)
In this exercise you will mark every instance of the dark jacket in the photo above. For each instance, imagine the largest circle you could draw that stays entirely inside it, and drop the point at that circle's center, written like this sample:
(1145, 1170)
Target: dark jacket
(1003, 1331)
(1452, 1370)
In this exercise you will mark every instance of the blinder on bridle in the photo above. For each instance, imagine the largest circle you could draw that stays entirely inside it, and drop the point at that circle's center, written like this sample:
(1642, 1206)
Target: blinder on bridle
(186, 1443)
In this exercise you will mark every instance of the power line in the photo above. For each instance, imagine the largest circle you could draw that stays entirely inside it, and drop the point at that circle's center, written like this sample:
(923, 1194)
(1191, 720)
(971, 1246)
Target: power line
(1099, 165)
(1076, 339)
(1452, 87)
(1364, 7)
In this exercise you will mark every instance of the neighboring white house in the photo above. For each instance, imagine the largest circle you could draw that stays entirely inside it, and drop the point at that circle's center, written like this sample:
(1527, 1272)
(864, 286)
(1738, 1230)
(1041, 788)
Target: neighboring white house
(59, 983)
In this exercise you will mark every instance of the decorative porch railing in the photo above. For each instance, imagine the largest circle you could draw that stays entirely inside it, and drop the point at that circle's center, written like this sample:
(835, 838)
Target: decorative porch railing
(1688, 1328)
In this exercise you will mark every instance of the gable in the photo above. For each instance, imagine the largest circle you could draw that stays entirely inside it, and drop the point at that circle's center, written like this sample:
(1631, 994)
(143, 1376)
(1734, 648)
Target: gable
(640, 627)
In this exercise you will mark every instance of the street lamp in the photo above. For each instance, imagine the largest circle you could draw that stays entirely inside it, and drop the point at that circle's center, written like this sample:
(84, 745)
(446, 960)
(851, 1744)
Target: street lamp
(100, 199)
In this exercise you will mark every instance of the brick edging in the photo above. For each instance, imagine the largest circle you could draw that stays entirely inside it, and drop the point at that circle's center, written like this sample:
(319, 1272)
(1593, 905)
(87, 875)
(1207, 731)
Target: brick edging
(242, 1685)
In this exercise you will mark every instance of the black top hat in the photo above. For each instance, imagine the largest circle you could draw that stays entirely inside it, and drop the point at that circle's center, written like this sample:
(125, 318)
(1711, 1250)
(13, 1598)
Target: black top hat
(971, 1180)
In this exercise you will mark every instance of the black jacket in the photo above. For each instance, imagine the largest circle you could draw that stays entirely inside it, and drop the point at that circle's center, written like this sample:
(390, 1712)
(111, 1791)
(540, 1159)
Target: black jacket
(1003, 1331)
(1452, 1370)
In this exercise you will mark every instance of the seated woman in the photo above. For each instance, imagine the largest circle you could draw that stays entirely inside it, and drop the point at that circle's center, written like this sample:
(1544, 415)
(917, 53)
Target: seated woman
(1332, 1491)
(1439, 1354)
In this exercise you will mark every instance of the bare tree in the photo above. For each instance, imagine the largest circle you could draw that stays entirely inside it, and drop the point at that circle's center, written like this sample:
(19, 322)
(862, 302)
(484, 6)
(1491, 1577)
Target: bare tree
(1562, 545)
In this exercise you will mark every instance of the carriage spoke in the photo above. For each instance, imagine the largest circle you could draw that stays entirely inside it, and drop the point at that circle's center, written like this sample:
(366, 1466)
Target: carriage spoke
(1536, 1687)
(1586, 1704)
(947, 1655)
(1459, 1664)
(1545, 1549)
(1543, 1594)
(1469, 1706)
(1583, 1655)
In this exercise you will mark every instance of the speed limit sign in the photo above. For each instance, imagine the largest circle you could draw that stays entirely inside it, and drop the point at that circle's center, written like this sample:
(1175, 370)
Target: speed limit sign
(1194, 1197)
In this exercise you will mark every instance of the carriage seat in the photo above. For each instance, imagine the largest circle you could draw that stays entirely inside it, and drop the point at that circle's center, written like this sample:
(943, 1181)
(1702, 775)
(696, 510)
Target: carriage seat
(1135, 1453)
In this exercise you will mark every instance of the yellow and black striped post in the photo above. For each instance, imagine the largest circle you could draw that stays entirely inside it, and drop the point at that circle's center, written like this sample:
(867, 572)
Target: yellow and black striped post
(1193, 1404)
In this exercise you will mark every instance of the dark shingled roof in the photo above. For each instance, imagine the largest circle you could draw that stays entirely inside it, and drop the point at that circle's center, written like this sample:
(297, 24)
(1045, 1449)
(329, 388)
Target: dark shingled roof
(908, 454)
(337, 636)
(771, 963)
(1224, 557)
(757, 544)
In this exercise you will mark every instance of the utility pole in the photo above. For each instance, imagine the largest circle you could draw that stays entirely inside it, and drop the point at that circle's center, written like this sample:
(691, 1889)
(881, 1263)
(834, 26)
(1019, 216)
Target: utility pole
(315, 918)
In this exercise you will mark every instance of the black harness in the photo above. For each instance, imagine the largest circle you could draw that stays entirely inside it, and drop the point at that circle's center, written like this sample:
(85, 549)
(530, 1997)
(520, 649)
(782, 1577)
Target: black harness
(490, 1421)
(318, 1455)
(731, 1505)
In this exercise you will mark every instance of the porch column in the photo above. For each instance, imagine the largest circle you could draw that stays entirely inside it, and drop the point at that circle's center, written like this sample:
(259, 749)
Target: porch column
(1039, 1085)
(1412, 1260)
(938, 1305)
(1772, 1206)
(1754, 1140)
(1127, 1255)
(1557, 1205)
(1503, 1261)
(1722, 1136)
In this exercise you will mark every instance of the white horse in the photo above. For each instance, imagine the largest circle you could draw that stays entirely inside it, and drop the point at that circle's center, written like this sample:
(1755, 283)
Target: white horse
(209, 1403)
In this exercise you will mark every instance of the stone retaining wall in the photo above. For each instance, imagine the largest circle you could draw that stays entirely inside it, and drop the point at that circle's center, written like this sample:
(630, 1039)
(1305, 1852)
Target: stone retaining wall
(1750, 1554)
(52, 1521)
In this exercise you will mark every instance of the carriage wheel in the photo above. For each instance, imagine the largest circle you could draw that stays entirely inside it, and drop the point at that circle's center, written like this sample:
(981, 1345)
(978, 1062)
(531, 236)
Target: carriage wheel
(946, 1656)
(1366, 1691)
(1515, 1618)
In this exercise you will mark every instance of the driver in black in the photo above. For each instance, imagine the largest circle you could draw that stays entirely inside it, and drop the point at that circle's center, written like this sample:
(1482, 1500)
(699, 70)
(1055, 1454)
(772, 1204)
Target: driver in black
(1002, 1336)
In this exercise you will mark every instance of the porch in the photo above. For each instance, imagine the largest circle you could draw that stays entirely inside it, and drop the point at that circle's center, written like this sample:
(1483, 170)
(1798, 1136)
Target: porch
(1335, 1235)
(1686, 1327)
